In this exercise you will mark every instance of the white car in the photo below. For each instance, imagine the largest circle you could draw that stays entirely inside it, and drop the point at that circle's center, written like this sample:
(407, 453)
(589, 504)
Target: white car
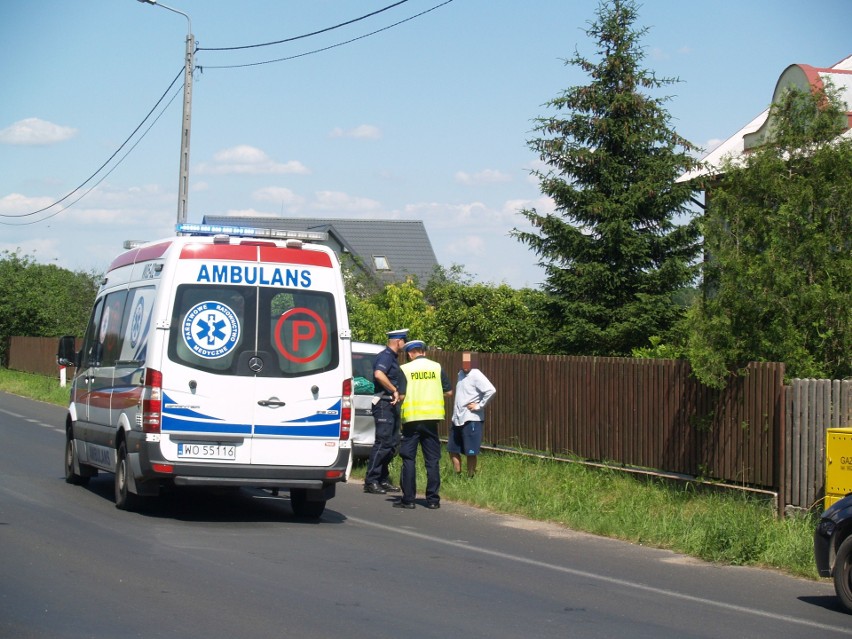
(363, 427)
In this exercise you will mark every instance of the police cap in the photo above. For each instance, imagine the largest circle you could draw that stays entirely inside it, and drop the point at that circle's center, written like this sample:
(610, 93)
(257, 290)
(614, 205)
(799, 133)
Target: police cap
(415, 343)
(400, 333)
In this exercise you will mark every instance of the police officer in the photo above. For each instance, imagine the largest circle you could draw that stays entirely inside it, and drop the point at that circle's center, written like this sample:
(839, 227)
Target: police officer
(423, 385)
(386, 376)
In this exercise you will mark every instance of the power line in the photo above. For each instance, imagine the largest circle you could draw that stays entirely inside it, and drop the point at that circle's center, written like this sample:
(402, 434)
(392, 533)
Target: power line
(101, 167)
(306, 35)
(105, 175)
(333, 46)
(139, 126)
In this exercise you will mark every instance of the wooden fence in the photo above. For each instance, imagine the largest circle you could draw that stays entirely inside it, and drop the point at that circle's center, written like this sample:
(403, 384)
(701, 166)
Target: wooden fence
(33, 354)
(649, 414)
(637, 412)
(812, 406)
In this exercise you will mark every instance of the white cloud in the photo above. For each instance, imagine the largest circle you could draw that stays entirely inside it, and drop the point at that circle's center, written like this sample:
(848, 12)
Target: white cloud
(111, 217)
(15, 203)
(43, 249)
(125, 210)
(106, 195)
(248, 213)
(280, 196)
(103, 205)
(711, 144)
(33, 131)
(539, 166)
(512, 208)
(249, 160)
(477, 216)
(658, 54)
(390, 176)
(488, 176)
(467, 246)
(543, 205)
(344, 203)
(362, 132)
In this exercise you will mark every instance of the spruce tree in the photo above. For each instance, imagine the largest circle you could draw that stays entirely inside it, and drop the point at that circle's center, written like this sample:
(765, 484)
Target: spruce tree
(614, 258)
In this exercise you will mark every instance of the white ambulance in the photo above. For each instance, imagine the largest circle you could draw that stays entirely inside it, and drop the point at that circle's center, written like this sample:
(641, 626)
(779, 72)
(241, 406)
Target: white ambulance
(220, 357)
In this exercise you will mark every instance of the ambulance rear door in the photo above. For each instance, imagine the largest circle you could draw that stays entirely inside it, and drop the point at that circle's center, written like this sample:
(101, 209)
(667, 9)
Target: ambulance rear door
(253, 372)
(299, 401)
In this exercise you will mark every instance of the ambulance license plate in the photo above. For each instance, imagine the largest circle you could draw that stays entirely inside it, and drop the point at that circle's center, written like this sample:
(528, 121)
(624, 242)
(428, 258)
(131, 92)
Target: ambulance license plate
(189, 450)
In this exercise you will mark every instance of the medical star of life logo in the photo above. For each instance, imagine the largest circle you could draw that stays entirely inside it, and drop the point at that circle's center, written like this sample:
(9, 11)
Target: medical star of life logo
(211, 329)
(136, 322)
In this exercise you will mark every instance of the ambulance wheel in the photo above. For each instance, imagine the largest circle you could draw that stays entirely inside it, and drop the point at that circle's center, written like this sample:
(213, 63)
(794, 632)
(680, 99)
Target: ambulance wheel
(70, 457)
(304, 508)
(843, 573)
(124, 499)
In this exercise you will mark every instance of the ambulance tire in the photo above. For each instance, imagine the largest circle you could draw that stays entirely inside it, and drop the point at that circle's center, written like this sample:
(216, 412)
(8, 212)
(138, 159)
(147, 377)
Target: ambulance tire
(72, 477)
(304, 508)
(124, 499)
(843, 573)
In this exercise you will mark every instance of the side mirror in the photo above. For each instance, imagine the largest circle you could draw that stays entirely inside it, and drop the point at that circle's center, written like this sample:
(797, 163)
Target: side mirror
(66, 353)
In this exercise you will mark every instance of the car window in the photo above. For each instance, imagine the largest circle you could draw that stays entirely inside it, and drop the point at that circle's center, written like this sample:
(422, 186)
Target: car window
(135, 324)
(362, 373)
(91, 346)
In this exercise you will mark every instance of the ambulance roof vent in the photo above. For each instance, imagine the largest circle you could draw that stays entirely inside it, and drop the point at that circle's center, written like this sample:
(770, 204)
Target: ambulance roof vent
(250, 231)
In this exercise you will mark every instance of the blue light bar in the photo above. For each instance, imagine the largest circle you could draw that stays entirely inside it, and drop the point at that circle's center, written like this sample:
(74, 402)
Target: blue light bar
(250, 231)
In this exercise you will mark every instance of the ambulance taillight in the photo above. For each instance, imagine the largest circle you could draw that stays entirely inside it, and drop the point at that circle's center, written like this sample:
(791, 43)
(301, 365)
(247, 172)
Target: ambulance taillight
(346, 413)
(151, 402)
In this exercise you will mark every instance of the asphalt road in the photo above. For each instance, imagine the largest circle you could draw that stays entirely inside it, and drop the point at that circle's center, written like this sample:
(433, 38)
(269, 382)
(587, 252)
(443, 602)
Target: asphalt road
(240, 564)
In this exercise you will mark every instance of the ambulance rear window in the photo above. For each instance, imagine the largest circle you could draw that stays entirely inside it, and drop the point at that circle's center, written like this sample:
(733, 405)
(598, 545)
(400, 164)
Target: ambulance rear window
(248, 331)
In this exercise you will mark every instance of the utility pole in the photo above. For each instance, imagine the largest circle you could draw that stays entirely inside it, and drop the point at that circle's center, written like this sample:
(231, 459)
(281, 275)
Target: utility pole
(183, 184)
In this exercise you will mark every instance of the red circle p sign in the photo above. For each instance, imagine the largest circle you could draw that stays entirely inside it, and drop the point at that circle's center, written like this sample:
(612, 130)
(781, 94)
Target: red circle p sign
(301, 335)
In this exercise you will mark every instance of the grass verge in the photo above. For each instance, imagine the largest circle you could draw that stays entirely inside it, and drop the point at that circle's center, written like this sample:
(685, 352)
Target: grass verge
(726, 527)
(38, 387)
(729, 527)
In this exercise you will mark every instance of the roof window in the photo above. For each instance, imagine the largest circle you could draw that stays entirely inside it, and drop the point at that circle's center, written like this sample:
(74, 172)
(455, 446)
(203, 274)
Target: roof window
(380, 263)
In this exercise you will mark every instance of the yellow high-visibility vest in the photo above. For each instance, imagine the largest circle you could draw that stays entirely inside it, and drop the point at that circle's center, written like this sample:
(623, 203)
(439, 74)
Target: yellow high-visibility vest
(424, 394)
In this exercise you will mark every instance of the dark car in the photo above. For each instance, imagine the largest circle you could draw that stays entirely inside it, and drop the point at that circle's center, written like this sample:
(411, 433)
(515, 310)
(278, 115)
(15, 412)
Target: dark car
(833, 548)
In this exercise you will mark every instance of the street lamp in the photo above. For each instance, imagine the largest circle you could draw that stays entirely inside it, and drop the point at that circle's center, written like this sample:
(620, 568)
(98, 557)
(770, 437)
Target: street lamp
(183, 185)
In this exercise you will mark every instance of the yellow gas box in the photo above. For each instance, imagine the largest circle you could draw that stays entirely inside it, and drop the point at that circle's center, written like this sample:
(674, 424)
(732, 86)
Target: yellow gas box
(838, 464)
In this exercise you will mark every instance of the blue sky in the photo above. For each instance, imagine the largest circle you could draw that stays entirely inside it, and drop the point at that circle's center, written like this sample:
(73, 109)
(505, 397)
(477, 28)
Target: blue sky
(426, 120)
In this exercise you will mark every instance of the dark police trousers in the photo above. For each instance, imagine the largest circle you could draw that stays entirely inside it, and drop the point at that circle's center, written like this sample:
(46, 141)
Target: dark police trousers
(424, 433)
(386, 417)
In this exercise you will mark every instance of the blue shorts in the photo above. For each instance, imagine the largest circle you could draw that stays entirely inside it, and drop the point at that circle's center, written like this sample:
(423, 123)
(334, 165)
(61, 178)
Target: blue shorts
(465, 439)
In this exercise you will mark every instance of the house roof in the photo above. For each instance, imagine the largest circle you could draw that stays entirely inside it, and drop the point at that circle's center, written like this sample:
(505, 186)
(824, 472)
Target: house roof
(799, 75)
(403, 243)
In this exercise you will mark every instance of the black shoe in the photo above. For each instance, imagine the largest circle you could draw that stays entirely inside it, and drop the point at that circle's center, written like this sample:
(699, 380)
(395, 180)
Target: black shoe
(403, 504)
(374, 489)
(433, 505)
(389, 487)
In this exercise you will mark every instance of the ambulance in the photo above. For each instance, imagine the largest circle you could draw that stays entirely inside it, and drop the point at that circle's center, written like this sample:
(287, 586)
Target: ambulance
(220, 357)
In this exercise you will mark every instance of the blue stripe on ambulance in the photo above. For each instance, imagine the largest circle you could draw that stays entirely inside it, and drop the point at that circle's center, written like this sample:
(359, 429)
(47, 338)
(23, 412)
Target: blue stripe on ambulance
(191, 421)
(187, 413)
(324, 431)
(174, 424)
(323, 425)
(320, 425)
